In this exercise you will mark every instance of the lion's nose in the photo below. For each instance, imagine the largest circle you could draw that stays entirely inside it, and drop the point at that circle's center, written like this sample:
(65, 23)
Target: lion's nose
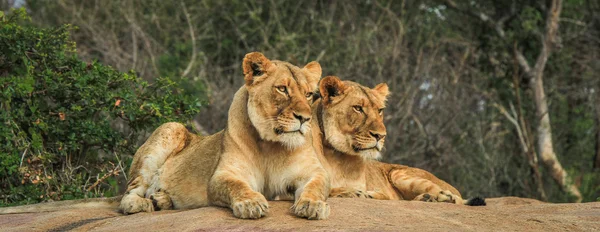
(378, 136)
(301, 118)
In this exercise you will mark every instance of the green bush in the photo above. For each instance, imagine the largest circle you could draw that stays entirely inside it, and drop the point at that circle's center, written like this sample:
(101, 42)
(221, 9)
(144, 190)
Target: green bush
(67, 125)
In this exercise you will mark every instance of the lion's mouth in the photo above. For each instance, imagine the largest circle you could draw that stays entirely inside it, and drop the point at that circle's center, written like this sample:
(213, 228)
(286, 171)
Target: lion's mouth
(280, 131)
(357, 148)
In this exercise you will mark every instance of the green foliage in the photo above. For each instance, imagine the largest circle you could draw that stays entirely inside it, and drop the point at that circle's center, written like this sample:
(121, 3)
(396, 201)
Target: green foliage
(66, 122)
(590, 186)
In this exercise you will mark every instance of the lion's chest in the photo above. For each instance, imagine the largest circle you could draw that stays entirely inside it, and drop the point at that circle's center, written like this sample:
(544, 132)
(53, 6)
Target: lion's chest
(282, 170)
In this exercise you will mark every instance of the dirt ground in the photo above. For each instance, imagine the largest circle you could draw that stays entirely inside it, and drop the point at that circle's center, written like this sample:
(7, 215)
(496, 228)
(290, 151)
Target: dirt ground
(501, 214)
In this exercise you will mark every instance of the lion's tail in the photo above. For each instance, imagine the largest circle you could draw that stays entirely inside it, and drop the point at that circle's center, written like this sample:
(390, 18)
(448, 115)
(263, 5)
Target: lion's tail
(92, 203)
(475, 201)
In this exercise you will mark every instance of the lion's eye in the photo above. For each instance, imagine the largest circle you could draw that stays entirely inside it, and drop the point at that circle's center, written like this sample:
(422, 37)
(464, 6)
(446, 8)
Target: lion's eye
(309, 96)
(358, 109)
(381, 111)
(282, 89)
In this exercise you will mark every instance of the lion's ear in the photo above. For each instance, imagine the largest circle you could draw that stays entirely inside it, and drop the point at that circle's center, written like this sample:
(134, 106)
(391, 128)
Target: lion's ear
(331, 86)
(255, 64)
(314, 69)
(382, 89)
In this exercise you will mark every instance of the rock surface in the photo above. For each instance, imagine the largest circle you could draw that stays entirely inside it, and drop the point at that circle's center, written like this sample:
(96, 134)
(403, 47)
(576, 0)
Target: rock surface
(501, 214)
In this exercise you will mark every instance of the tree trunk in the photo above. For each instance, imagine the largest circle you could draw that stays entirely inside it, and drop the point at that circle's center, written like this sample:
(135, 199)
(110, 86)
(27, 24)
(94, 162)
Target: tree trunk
(544, 131)
(528, 147)
(545, 145)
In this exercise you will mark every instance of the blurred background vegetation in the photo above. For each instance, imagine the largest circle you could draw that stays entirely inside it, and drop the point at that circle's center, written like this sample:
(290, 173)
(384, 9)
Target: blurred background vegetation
(463, 77)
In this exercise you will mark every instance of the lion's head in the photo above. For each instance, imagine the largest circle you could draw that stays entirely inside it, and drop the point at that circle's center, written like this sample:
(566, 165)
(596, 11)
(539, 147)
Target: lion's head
(278, 98)
(352, 116)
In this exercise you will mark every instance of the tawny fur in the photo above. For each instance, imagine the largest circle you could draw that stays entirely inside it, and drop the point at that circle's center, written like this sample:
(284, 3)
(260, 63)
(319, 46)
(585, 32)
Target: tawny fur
(348, 117)
(265, 150)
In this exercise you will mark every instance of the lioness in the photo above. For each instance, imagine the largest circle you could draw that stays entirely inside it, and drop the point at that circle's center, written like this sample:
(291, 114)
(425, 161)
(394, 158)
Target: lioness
(265, 150)
(349, 134)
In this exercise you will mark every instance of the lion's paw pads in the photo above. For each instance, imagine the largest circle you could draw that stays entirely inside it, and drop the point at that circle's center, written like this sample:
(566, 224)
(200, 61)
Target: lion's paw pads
(161, 201)
(314, 210)
(448, 197)
(442, 196)
(136, 204)
(426, 197)
(250, 208)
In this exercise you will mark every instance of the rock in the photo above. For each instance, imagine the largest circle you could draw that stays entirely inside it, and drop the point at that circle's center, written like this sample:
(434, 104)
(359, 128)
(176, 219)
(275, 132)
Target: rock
(501, 214)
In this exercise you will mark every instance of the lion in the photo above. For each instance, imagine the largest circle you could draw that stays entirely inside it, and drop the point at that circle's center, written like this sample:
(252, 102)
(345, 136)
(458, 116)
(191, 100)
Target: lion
(349, 135)
(264, 151)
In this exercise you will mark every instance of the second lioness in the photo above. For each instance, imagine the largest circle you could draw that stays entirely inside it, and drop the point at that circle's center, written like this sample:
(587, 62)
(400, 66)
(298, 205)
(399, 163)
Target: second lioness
(348, 129)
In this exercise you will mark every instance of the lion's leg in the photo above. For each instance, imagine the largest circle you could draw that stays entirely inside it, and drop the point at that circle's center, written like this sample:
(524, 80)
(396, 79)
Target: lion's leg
(377, 195)
(166, 140)
(344, 192)
(133, 201)
(311, 196)
(419, 188)
(442, 196)
(228, 189)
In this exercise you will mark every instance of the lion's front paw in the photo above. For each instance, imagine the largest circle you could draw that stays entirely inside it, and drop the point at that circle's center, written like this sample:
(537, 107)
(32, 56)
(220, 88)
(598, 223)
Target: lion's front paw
(426, 197)
(250, 208)
(132, 203)
(161, 201)
(314, 210)
(349, 193)
(449, 197)
(442, 196)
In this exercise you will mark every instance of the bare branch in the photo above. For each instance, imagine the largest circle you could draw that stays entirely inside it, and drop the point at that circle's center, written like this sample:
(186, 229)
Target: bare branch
(121, 166)
(144, 37)
(479, 15)
(192, 34)
(573, 21)
(22, 156)
(522, 61)
(513, 120)
(134, 48)
(100, 180)
(549, 38)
